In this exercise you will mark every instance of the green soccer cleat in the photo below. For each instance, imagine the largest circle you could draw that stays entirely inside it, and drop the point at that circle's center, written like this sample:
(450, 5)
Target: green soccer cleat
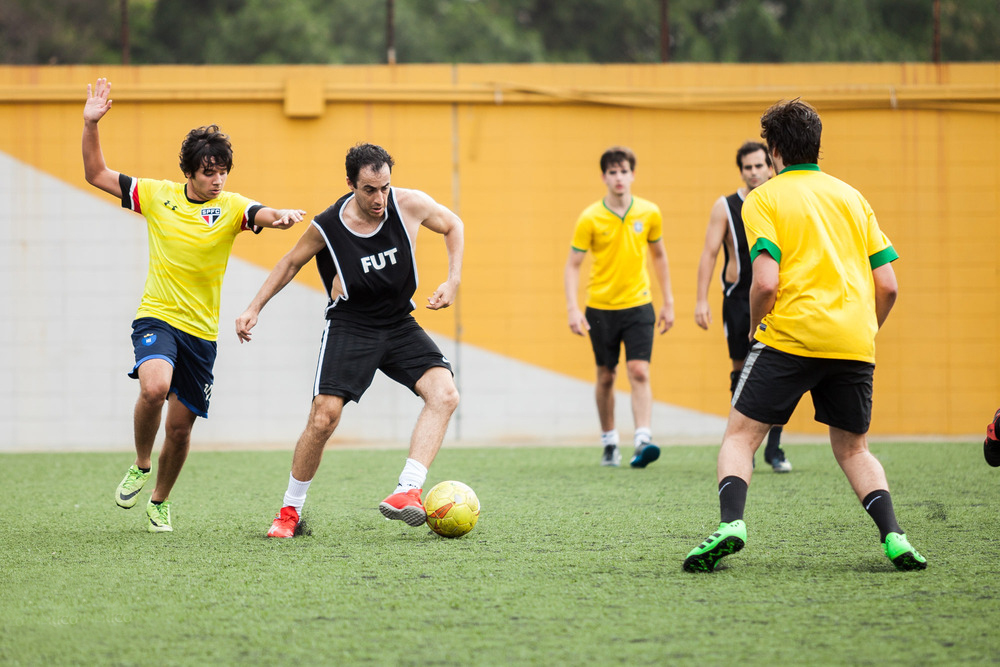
(127, 493)
(897, 549)
(728, 539)
(159, 517)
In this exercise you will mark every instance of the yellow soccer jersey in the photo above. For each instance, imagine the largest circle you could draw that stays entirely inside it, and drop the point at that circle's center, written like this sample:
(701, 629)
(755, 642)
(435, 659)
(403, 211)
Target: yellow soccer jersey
(618, 275)
(189, 247)
(826, 240)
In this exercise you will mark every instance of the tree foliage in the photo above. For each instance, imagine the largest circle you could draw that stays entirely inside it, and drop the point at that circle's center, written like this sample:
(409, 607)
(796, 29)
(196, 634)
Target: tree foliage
(623, 31)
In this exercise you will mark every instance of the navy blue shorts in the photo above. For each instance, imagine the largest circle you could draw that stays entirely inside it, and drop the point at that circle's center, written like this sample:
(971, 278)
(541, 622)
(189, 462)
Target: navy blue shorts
(351, 353)
(772, 382)
(610, 328)
(192, 358)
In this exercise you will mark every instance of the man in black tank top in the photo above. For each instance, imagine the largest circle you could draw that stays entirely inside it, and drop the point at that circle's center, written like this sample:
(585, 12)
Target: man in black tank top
(364, 246)
(726, 232)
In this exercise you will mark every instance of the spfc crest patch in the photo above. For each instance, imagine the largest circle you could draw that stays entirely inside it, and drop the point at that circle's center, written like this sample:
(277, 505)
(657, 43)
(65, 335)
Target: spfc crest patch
(211, 215)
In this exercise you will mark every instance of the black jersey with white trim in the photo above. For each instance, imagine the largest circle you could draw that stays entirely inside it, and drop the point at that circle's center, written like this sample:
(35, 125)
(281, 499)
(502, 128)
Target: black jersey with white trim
(377, 271)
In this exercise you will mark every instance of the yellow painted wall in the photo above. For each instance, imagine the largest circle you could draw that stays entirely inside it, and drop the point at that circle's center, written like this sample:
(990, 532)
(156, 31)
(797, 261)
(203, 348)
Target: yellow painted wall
(514, 149)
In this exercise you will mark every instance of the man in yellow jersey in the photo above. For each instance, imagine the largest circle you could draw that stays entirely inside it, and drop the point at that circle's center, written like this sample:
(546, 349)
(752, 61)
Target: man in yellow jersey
(618, 229)
(823, 285)
(191, 229)
(725, 232)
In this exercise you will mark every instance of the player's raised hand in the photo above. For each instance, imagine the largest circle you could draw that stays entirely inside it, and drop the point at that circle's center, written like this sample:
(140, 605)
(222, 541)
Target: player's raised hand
(98, 103)
(443, 296)
(244, 323)
(289, 216)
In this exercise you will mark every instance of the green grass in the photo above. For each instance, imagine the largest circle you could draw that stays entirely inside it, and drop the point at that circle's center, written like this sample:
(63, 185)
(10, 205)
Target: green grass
(570, 563)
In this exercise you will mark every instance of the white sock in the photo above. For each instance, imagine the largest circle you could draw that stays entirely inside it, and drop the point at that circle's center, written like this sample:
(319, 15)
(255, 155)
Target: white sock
(609, 437)
(413, 476)
(643, 435)
(296, 493)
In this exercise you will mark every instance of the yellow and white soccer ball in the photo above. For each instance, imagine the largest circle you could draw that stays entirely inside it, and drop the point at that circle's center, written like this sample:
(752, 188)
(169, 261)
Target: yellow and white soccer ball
(452, 509)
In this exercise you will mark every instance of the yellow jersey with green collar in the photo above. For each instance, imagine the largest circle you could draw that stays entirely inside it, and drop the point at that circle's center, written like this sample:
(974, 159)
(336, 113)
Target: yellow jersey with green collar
(826, 240)
(618, 275)
(189, 247)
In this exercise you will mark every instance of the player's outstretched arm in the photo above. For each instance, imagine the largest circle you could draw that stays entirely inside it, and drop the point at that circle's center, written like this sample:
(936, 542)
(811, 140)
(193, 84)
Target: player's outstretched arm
(714, 236)
(275, 218)
(310, 243)
(94, 168)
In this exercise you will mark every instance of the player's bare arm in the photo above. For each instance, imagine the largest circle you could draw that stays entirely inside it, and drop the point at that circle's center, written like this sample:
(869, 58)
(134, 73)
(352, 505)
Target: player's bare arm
(282, 218)
(661, 267)
(763, 289)
(714, 237)
(886, 290)
(571, 280)
(419, 209)
(94, 168)
(309, 244)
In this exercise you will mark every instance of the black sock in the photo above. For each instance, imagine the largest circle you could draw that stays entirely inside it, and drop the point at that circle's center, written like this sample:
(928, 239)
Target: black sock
(732, 498)
(144, 470)
(774, 436)
(156, 502)
(734, 379)
(878, 504)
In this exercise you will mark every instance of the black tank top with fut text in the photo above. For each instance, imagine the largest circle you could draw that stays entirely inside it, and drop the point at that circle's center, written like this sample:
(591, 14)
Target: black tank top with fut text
(739, 235)
(377, 271)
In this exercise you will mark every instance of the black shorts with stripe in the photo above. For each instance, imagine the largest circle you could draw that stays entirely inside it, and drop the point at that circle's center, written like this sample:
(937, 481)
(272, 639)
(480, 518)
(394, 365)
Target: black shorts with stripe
(772, 382)
(351, 353)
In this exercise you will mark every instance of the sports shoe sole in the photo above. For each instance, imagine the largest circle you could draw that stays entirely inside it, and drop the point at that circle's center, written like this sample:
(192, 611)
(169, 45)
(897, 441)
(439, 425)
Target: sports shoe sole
(706, 562)
(411, 515)
(906, 562)
(648, 454)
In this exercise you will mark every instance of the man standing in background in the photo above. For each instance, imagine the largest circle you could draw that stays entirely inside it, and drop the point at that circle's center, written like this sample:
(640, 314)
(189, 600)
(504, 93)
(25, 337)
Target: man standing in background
(618, 229)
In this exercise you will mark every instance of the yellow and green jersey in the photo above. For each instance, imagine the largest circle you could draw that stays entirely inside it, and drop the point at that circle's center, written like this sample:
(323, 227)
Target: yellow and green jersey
(189, 247)
(826, 240)
(618, 275)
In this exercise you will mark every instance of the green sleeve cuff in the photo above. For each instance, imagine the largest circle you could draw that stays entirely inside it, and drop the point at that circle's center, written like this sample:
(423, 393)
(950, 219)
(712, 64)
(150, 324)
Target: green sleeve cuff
(573, 247)
(764, 245)
(883, 257)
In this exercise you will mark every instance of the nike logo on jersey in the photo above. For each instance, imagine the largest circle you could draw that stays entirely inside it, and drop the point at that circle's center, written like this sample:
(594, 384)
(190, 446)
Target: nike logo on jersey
(378, 262)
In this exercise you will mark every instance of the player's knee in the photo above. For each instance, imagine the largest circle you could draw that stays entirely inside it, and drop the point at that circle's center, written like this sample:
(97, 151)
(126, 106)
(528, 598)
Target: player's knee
(178, 432)
(445, 398)
(154, 392)
(638, 372)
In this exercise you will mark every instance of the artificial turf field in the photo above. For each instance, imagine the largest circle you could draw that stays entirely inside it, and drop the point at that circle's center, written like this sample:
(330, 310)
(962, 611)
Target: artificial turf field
(570, 563)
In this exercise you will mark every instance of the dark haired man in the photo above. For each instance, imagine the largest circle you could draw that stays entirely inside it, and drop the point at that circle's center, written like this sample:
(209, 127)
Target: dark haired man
(823, 285)
(725, 232)
(364, 248)
(618, 229)
(192, 227)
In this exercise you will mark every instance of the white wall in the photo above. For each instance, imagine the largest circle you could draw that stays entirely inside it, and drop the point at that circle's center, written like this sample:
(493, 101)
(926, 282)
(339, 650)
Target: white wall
(72, 267)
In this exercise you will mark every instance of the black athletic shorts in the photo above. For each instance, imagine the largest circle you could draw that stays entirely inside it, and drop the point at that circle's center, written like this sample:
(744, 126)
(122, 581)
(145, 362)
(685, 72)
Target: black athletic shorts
(736, 324)
(610, 328)
(772, 383)
(193, 359)
(351, 353)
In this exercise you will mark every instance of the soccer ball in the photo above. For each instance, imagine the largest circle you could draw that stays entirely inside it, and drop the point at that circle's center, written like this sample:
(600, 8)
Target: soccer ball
(452, 509)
